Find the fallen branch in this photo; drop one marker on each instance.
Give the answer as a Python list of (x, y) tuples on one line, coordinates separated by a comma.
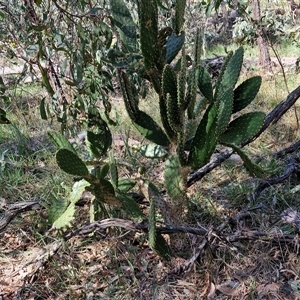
[(294, 147), (291, 168), (208, 237), (14, 209)]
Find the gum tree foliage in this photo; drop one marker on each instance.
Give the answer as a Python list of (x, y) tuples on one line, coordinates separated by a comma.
[(79, 59)]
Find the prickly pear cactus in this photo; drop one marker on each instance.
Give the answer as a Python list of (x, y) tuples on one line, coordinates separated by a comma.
[(216, 125)]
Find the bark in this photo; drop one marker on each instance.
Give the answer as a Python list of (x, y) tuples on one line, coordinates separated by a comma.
[(264, 55)]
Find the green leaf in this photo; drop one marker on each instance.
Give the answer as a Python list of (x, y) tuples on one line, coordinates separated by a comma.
[(243, 128), (60, 141), (150, 129), (130, 206), (43, 109), (66, 218), (69, 162), (253, 168), (99, 137), (125, 184), (245, 93), (124, 22)]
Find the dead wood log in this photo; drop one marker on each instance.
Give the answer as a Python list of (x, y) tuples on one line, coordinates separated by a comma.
[(13, 210), (292, 167)]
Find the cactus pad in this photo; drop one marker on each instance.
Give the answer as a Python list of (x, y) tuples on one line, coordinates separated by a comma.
[(204, 83), (243, 128), (245, 93), (173, 46), (205, 139), (69, 162), (174, 181), (150, 129), (60, 141), (224, 110)]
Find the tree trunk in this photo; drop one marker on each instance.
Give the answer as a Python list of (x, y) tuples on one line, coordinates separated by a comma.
[(264, 55)]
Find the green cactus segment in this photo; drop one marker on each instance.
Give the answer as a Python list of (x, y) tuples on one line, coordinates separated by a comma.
[(78, 188), (153, 151), (165, 122), (181, 148), (162, 248), (243, 128), (174, 181), (130, 206), (173, 114), (181, 82), (179, 15), (125, 184), (169, 88), (152, 225), (197, 47), (222, 72), (113, 171), (169, 84), (70, 163), (253, 168), (245, 93), (205, 139), (99, 137), (124, 22), (192, 86), (204, 83), (131, 102), (229, 76), (173, 46), (60, 141), (150, 129), (224, 110), (148, 18)]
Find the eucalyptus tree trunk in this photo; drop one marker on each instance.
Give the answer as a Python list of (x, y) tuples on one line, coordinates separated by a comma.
[(264, 55)]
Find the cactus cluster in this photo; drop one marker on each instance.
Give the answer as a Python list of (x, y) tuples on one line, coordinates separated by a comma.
[(98, 177), (177, 87)]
